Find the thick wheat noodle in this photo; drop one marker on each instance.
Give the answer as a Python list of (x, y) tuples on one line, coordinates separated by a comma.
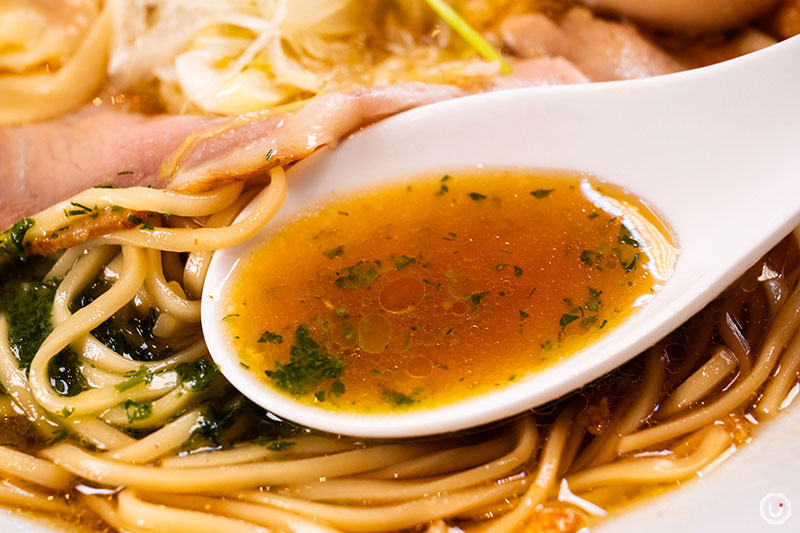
[(15, 384), (604, 442), (243, 423), (389, 490), (784, 326), (443, 462), (172, 267), (197, 263), (137, 199), (688, 443), (590, 451), (792, 277), (576, 436), (81, 275), (478, 515), (113, 397), (97, 433), (98, 377), (80, 323), (208, 239), (162, 384), (730, 331), (96, 353), (701, 383), (698, 342), (776, 292), (169, 327), (154, 517), (779, 386), (195, 271), (756, 317), (65, 263), (103, 508), (187, 222), (249, 453), (257, 514), (654, 469), (646, 401), (440, 526), (13, 496), (78, 278), (88, 347), (166, 298), (375, 519), (33, 470), (163, 406), (220, 478), (734, 339), (699, 330), (160, 442), (7, 409), (113, 270), (734, 300), (545, 479)]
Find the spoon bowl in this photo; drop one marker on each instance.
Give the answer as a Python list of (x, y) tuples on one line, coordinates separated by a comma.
[(715, 151)]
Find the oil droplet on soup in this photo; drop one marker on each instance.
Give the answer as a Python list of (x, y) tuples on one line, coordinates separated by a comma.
[(428, 293)]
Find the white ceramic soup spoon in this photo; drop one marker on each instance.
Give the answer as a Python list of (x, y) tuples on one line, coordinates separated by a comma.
[(716, 151)]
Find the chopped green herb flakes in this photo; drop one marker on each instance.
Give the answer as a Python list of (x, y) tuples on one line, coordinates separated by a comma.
[(358, 275), (143, 375), (541, 193), (271, 338), (477, 297), (197, 375), (334, 252), (309, 365), (403, 261), (566, 319), (138, 411), (12, 239), (397, 399)]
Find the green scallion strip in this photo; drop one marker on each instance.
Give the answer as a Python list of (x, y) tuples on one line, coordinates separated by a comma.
[(475, 39)]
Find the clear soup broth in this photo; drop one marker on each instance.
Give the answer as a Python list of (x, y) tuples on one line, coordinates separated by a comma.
[(426, 293)]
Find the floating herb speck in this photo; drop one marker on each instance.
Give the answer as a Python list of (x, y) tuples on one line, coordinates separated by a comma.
[(541, 193), (334, 252), (271, 338), (403, 261), (477, 298), (566, 319)]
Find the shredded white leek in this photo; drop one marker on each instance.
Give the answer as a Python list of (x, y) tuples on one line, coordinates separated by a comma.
[(237, 56)]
